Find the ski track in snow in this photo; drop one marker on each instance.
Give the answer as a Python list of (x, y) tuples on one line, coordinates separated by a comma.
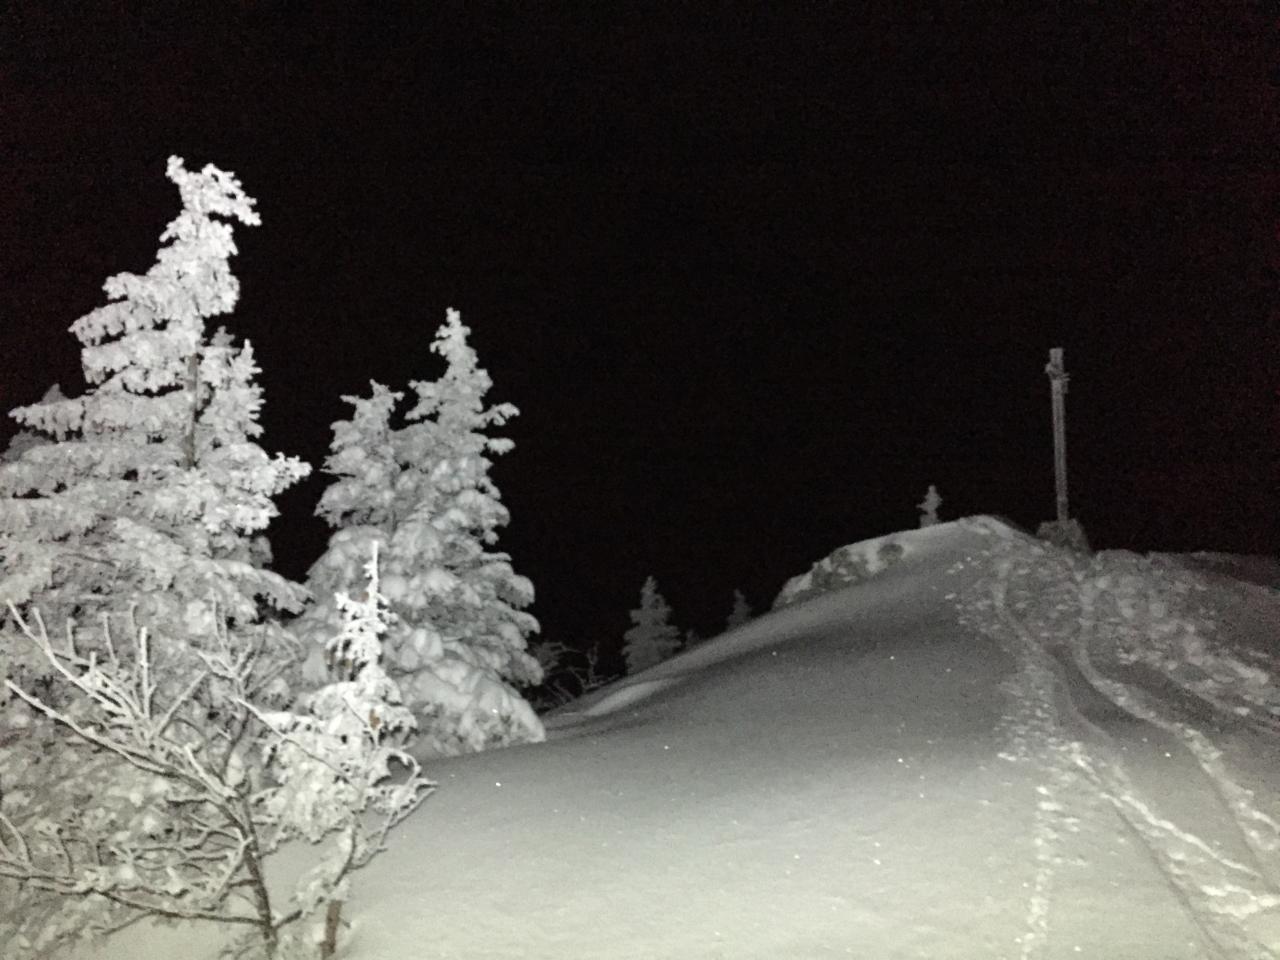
[(1034, 728), (1047, 726)]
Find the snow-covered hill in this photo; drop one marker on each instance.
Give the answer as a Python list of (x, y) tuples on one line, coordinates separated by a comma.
[(986, 749)]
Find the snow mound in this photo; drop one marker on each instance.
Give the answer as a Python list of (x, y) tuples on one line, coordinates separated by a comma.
[(859, 562), (991, 748), (921, 556), (1257, 570)]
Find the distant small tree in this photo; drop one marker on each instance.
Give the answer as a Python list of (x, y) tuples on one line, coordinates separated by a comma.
[(652, 638), (929, 507), (740, 613)]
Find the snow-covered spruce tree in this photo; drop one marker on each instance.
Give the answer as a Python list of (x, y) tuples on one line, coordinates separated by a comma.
[(153, 489), (740, 613), (928, 507), (206, 780), (139, 503), (458, 646), (651, 639)]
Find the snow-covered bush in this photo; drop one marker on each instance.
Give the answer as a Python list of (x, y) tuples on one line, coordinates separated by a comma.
[(204, 780), (844, 567), (567, 673), (341, 757), (652, 638), (422, 491)]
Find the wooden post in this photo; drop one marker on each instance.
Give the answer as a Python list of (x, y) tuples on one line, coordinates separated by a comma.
[(1058, 385)]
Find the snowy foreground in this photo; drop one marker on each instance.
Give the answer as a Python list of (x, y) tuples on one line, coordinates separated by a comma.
[(967, 754)]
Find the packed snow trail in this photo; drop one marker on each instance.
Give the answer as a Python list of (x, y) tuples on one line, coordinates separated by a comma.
[(1067, 713), (1035, 735)]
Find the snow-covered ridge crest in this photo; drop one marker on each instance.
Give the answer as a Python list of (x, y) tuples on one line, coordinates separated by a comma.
[(1257, 570), (922, 555), (858, 562)]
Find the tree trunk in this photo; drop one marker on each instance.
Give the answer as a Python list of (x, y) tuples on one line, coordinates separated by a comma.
[(193, 384), (258, 884), (332, 918)]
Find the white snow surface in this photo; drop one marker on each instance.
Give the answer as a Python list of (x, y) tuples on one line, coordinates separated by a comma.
[(862, 774)]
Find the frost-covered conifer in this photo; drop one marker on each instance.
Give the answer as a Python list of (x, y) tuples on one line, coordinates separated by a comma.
[(140, 505), (651, 639), (929, 507), (740, 613), (152, 488), (458, 646)]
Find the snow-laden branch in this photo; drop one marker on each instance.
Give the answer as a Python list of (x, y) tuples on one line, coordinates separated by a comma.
[(201, 783)]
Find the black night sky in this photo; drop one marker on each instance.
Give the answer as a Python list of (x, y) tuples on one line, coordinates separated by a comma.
[(755, 274)]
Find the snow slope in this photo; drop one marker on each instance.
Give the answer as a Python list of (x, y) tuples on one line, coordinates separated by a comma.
[(920, 765)]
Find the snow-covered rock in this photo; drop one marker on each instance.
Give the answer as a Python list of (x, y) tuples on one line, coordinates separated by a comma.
[(859, 562)]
